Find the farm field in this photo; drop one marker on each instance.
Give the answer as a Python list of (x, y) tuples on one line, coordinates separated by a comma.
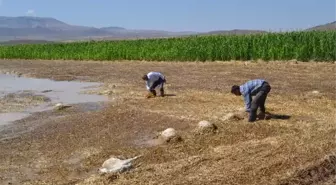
[(302, 46), (68, 147)]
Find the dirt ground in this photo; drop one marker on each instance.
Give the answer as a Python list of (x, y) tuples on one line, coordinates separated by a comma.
[(68, 147)]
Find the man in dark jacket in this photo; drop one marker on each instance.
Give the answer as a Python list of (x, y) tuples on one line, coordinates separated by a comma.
[(258, 88)]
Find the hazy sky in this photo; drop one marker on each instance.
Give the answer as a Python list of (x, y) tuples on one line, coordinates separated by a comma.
[(179, 15)]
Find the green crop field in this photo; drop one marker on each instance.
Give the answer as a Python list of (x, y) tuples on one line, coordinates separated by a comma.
[(303, 46)]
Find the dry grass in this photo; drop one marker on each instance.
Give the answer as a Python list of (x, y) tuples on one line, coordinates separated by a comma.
[(70, 149)]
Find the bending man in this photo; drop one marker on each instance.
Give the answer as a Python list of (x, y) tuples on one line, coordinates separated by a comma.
[(258, 88), (153, 80)]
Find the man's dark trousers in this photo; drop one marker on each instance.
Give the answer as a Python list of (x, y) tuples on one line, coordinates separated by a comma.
[(156, 83), (259, 101)]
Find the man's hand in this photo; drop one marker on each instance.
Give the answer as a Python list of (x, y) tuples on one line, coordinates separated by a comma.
[(150, 95)]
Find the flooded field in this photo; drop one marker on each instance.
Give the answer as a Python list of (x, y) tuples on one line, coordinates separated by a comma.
[(21, 96)]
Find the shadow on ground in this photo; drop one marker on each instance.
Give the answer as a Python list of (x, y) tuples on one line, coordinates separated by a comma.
[(276, 116), (170, 94)]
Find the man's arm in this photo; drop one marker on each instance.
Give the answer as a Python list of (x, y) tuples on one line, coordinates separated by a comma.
[(247, 99), (147, 85)]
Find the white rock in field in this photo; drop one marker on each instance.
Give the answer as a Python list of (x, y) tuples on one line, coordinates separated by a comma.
[(206, 126), (116, 165), (60, 106), (315, 92), (168, 134)]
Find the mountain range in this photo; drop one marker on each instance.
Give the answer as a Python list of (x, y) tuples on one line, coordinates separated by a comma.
[(43, 29)]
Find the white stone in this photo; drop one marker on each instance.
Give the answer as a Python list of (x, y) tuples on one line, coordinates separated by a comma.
[(168, 134), (116, 165), (206, 125), (60, 106), (315, 92)]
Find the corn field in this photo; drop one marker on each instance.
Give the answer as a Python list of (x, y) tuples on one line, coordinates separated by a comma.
[(303, 46)]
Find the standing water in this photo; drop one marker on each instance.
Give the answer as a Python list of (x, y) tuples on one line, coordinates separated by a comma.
[(65, 92)]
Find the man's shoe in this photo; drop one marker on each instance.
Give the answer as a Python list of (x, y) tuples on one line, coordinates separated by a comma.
[(162, 93), (252, 118), (261, 115)]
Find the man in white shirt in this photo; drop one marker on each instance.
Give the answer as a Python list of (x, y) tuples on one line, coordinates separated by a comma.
[(153, 80)]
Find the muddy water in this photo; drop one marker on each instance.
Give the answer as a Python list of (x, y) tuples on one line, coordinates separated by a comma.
[(66, 92)]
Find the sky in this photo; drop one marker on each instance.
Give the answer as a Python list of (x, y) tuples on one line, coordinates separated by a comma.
[(179, 15)]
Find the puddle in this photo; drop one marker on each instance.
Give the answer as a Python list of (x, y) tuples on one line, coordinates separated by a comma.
[(66, 92), (12, 116)]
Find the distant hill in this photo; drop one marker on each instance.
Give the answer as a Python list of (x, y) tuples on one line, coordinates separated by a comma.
[(43, 28), (15, 42), (40, 28), (235, 32), (113, 28), (26, 29), (328, 26)]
